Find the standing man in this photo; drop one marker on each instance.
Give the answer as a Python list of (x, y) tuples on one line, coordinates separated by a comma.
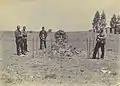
[(19, 41), (42, 36), (24, 34), (101, 40)]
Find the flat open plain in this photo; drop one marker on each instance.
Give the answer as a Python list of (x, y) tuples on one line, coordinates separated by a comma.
[(38, 69)]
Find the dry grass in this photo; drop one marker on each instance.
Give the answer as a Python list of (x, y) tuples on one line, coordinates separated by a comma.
[(59, 71)]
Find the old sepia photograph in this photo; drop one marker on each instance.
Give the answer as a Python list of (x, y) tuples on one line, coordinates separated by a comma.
[(59, 42)]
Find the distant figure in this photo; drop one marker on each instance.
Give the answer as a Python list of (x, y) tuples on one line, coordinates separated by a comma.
[(110, 30), (19, 41), (101, 40), (24, 34), (42, 36)]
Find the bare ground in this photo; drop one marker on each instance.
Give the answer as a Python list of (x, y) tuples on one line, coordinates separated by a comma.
[(46, 70), (60, 70)]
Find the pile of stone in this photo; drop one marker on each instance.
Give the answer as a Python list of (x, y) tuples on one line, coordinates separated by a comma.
[(61, 46), (67, 50), (61, 37)]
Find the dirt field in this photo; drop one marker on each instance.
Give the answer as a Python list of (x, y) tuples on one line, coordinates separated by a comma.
[(41, 70)]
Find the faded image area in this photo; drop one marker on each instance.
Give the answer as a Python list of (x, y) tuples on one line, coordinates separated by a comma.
[(62, 63), (62, 44)]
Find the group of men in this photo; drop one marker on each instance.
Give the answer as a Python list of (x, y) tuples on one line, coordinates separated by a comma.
[(101, 41), (21, 40)]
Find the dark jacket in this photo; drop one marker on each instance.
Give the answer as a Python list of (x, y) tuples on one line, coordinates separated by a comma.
[(24, 34), (101, 37), (18, 36), (43, 34)]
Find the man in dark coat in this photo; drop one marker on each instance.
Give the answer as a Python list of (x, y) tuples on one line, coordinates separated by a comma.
[(42, 36), (19, 41), (24, 34), (101, 40)]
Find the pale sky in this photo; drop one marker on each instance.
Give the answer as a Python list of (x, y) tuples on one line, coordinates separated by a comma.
[(69, 15)]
